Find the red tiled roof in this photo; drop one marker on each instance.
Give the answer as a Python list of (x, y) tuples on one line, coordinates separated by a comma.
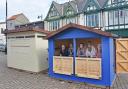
[(14, 16), (85, 28), (26, 30)]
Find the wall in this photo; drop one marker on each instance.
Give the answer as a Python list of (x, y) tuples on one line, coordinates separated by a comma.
[(42, 52), (81, 19), (21, 20), (24, 53), (10, 24), (46, 26), (21, 53)]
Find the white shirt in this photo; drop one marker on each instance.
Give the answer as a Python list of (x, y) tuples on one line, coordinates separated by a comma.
[(91, 53)]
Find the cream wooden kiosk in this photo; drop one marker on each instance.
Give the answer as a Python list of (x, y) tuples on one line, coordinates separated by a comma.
[(27, 50)]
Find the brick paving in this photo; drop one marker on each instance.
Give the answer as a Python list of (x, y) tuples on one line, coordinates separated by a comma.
[(14, 79)]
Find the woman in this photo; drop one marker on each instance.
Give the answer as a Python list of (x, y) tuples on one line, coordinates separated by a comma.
[(90, 51), (63, 51), (81, 51)]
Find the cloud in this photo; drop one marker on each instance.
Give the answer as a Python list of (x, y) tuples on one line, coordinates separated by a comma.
[(31, 8)]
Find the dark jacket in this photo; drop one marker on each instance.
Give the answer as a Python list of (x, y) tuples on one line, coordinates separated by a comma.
[(64, 53)]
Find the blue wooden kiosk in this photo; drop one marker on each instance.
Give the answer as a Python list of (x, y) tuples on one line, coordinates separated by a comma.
[(98, 70)]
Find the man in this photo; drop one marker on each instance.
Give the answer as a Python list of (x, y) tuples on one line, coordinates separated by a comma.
[(70, 50)]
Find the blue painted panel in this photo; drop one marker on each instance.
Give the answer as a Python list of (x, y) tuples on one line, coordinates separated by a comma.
[(80, 79), (50, 55), (76, 33), (105, 61), (112, 60)]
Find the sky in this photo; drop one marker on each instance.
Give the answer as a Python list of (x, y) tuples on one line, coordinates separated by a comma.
[(31, 8)]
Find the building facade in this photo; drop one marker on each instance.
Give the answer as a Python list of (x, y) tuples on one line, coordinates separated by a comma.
[(2, 36), (15, 20), (108, 15)]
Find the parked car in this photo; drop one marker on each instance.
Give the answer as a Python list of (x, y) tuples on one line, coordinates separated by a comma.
[(2, 47)]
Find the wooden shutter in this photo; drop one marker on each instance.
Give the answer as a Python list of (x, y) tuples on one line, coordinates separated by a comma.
[(122, 55), (63, 65), (88, 67)]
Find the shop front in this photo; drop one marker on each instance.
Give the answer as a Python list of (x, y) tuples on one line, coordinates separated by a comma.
[(82, 54)]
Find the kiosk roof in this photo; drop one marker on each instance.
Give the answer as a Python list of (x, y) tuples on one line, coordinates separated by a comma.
[(85, 28)]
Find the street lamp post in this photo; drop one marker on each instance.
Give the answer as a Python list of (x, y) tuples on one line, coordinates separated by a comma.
[(6, 25)]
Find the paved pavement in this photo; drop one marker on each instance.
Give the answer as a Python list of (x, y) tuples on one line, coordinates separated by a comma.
[(15, 79)]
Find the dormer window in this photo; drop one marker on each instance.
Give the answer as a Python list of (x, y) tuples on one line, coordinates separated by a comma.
[(91, 6), (53, 12), (69, 11)]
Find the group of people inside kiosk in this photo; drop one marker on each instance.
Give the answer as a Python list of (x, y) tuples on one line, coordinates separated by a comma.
[(84, 50)]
